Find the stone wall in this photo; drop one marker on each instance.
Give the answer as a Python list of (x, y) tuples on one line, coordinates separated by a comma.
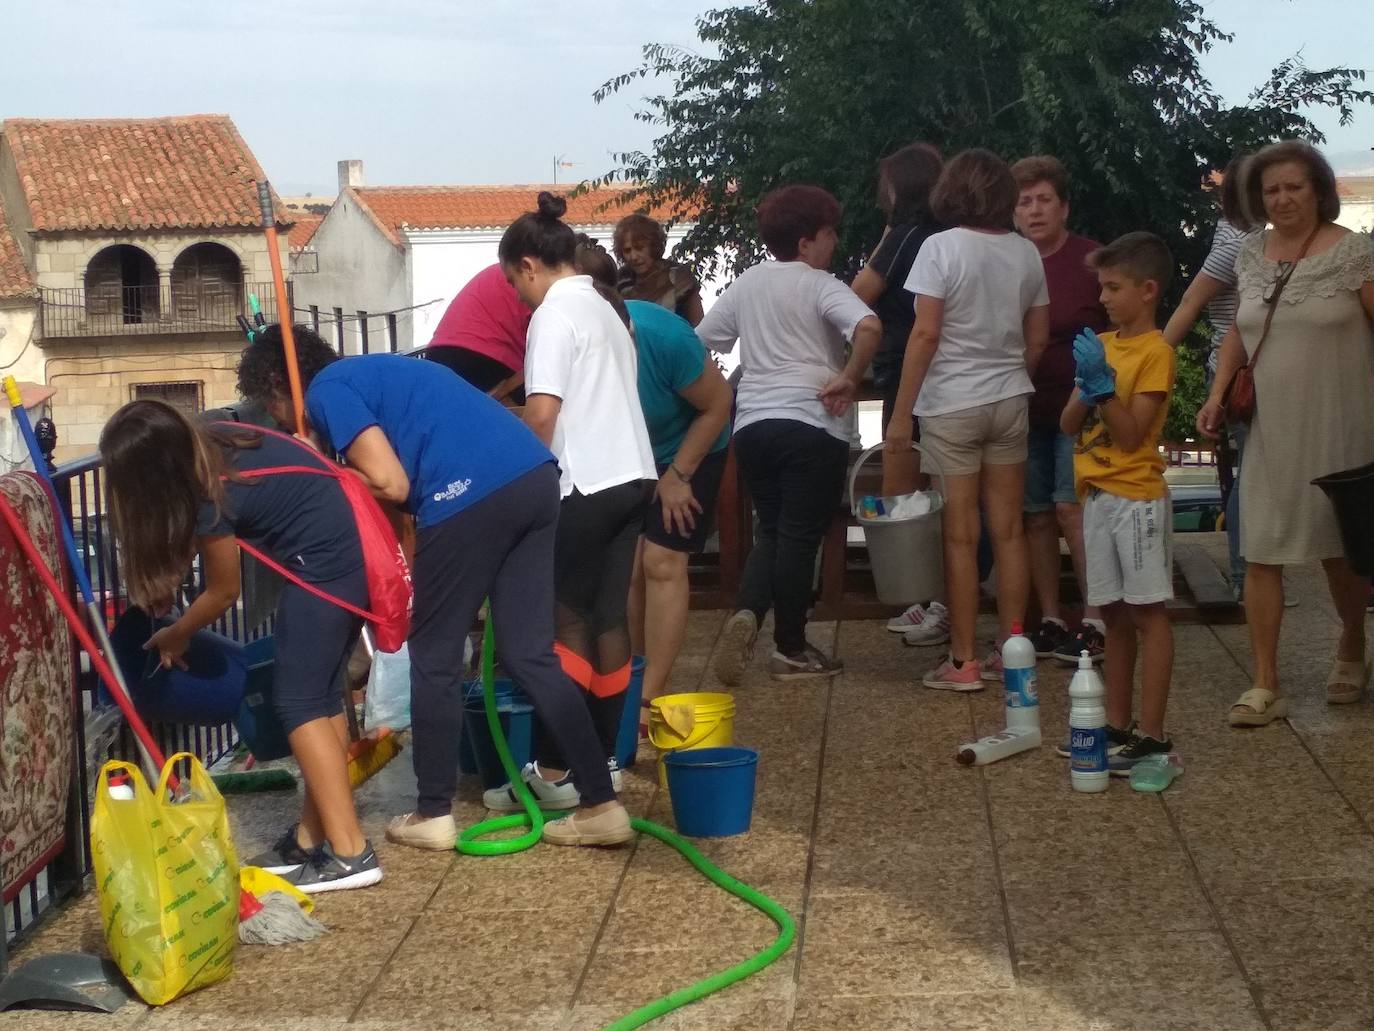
[(60, 259)]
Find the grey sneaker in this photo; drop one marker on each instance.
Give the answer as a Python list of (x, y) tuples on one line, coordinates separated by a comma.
[(810, 662), (284, 856), (329, 872), (736, 647)]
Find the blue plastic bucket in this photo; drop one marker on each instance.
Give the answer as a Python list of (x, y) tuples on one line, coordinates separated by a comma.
[(207, 693), (257, 721), (517, 724), (627, 740), (712, 790), (467, 761)]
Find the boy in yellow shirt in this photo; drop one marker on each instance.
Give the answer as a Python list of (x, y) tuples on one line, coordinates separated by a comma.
[(1117, 412)]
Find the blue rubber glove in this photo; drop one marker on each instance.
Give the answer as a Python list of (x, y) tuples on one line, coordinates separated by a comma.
[(1096, 378)]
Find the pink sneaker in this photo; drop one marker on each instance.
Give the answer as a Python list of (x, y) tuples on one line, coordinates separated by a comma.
[(992, 668), (949, 677)]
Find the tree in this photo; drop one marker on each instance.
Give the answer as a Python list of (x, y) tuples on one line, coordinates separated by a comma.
[(818, 90)]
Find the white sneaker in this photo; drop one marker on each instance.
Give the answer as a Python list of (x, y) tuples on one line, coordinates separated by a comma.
[(547, 794), (930, 629), (912, 617)]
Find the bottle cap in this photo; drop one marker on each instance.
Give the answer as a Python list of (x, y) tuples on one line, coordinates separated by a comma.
[(1085, 661), (1016, 628)]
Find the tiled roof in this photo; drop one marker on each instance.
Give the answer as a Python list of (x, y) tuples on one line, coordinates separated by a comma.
[(1356, 187), (187, 172), (15, 280), (304, 228), (487, 207)]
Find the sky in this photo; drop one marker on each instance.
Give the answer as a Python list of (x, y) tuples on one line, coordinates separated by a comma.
[(471, 91)]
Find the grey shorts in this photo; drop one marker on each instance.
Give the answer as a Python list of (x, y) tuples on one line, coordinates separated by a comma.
[(992, 434), (1129, 547)]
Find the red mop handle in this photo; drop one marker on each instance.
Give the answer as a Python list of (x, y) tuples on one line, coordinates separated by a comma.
[(285, 316), (11, 517)]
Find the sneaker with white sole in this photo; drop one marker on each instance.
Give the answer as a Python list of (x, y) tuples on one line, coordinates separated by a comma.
[(548, 794), (736, 649), (950, 677), (329, 872), (809, 663), (435, 833), (285, 855), (1116, 740), (931, 629), (991, 668), (909, 619), (609, 828)]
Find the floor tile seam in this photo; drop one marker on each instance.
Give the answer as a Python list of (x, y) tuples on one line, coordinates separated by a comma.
[(799, 944), (391, 956), (1008, 928), (1256, 991)]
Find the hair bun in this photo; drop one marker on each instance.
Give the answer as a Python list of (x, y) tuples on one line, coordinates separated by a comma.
[(551, 205)]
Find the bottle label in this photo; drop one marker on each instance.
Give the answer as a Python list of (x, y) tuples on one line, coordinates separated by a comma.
[(1088, 750), (1021, 689)]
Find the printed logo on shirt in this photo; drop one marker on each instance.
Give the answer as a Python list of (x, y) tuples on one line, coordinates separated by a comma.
[(456, 489)]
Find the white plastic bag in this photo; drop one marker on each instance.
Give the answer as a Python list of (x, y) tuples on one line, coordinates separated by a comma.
[(387, 703), (910, 505)]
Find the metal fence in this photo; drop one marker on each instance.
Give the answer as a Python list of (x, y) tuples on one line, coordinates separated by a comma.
[(150, 309), (100, 730)]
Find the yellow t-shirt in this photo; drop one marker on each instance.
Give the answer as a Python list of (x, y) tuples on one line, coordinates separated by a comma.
[(1144, 365)]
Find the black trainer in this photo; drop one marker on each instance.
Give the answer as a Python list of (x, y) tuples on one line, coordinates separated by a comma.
[(283, 857), (327, 872), (1116, 741), (1137, 749), (1088, 639), (1049, 638)]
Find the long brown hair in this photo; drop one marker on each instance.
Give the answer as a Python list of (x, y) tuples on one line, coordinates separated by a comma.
[(160, 468)]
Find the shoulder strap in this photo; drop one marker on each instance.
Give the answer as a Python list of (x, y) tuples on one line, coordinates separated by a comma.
[(1279, 284), (276, 566)]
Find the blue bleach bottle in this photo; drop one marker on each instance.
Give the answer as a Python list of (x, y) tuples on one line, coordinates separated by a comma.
[(1022, 696), (1087, 728)]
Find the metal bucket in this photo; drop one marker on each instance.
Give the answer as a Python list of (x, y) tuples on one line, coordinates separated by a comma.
[(907, 555)]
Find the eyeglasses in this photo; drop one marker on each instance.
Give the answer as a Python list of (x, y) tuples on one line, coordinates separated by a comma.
[(1285, 273)]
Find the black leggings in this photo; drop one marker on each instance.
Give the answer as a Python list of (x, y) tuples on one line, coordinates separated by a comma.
[(482, 371), (502, 547), (593, 561)]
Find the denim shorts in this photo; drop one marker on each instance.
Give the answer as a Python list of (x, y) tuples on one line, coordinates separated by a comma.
[(1049, 470)]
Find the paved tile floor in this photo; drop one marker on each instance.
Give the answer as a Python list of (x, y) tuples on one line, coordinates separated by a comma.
[(928, 896)]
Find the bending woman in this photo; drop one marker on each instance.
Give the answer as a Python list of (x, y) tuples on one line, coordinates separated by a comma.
[(177, 487)]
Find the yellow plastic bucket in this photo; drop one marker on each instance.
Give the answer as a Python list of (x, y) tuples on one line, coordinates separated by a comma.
[(678, 722)]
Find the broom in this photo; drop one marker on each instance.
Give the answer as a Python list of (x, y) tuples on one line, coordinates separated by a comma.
[(274, 919), (366, 754)]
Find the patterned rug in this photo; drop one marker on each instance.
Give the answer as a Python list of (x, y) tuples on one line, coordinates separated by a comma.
[(37, 692)]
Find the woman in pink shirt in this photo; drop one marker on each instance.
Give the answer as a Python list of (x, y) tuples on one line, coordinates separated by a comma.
[(482, 335)]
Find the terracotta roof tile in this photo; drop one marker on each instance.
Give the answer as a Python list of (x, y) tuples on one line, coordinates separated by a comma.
[(15, 280), (488, 207), (187, 172), (1356, 187), (303, 229)]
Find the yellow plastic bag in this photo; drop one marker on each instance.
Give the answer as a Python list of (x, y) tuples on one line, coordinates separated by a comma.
[(168, 880)]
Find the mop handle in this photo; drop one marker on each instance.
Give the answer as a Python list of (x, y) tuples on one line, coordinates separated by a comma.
[(21, 535), (285, 316), (40, 464)]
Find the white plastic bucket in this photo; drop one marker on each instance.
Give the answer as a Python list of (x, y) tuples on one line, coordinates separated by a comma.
[(907, 555)]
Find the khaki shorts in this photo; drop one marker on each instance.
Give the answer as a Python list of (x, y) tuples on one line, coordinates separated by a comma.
[(963, 442)]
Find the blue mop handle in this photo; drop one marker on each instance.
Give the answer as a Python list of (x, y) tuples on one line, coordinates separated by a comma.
[(40, 465)]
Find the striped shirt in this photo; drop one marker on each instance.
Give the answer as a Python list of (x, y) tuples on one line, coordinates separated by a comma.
[(1221, 266)]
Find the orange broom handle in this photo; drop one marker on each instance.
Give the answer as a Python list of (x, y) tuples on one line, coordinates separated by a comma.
[(285, 317)]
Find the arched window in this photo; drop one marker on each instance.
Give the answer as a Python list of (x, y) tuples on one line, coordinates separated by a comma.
[(121, 285), (207, 285)]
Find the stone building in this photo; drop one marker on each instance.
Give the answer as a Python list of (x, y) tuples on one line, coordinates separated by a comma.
[(142, 240)]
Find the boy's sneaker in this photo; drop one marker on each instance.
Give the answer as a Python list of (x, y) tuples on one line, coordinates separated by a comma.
[(949, 677), (1138, 749), (548, 794), (991, 669), (808, 663), (283, 857), (1116, 741), (1088, 639), (931, 629), (1051, 636), (329, 872), (736, 647)]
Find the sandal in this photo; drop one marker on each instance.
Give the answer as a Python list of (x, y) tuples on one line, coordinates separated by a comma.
[(1264, 708), (1347, 682)]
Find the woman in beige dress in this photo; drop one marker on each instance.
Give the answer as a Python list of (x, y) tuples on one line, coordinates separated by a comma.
[(1314, 414)]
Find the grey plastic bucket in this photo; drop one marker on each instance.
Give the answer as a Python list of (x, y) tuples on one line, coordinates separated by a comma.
[(907, 555)]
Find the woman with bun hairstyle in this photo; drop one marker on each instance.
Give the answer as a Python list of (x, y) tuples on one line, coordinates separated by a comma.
[(581, 401)]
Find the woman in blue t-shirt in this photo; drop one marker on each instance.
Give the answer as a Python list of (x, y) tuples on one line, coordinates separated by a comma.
[(177, 487), (484, 493)]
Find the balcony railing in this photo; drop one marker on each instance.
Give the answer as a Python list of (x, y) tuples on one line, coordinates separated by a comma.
[(146, 310)]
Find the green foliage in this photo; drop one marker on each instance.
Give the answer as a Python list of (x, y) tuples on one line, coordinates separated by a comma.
[(1190, 390), (818, 90)]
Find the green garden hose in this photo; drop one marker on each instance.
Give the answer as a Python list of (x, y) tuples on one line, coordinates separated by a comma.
[(469, 844)]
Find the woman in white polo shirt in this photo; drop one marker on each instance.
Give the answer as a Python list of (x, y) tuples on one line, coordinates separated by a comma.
[(582, 402)]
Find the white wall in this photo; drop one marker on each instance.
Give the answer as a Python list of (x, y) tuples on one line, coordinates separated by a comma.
[(17, 323), (360, 270), (1357, 215)]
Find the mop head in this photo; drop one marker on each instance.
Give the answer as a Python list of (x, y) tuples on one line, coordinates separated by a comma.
[(279, 921), (369, 755)]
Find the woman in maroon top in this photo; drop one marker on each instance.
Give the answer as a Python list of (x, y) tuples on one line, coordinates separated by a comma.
[(482, 335), (1051, 506)]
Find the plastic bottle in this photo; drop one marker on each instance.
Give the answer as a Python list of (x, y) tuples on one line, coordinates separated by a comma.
[(1087, 729), (120, 788), (1022, 701)]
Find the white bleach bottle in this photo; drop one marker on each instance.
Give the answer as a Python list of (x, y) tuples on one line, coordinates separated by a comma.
[(1022, 700), (1087, 728)]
